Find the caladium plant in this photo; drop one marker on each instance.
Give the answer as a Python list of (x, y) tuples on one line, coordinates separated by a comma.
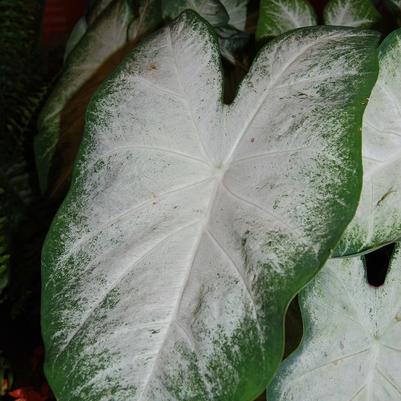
[(190, 224), (279, 16), (351, 348)]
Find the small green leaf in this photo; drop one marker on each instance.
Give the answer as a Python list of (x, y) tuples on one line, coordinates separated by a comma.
[(279, 16), (190, 224), (353, 13), (378, 217), (351, 350)]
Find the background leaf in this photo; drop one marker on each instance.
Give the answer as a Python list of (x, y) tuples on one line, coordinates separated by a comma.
[(353, 13), (279, 16), (378, 217), (100, 50), (212, 10), (352, 343)]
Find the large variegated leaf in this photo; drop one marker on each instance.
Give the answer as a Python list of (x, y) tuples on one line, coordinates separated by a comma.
[(279, 16), (190, 224), (351, 349), (354, 13), (378, 218)]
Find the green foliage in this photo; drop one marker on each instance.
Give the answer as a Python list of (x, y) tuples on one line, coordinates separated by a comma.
[(279, 16), (21, 85), (118, 251)]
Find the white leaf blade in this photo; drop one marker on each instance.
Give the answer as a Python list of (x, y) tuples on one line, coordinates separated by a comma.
[(350, 349), (149, 243), (378, 219)]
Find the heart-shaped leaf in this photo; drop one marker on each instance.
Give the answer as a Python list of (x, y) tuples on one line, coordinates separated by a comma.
[(279, 16), (378, 218), (190, 224), (351, 350)]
